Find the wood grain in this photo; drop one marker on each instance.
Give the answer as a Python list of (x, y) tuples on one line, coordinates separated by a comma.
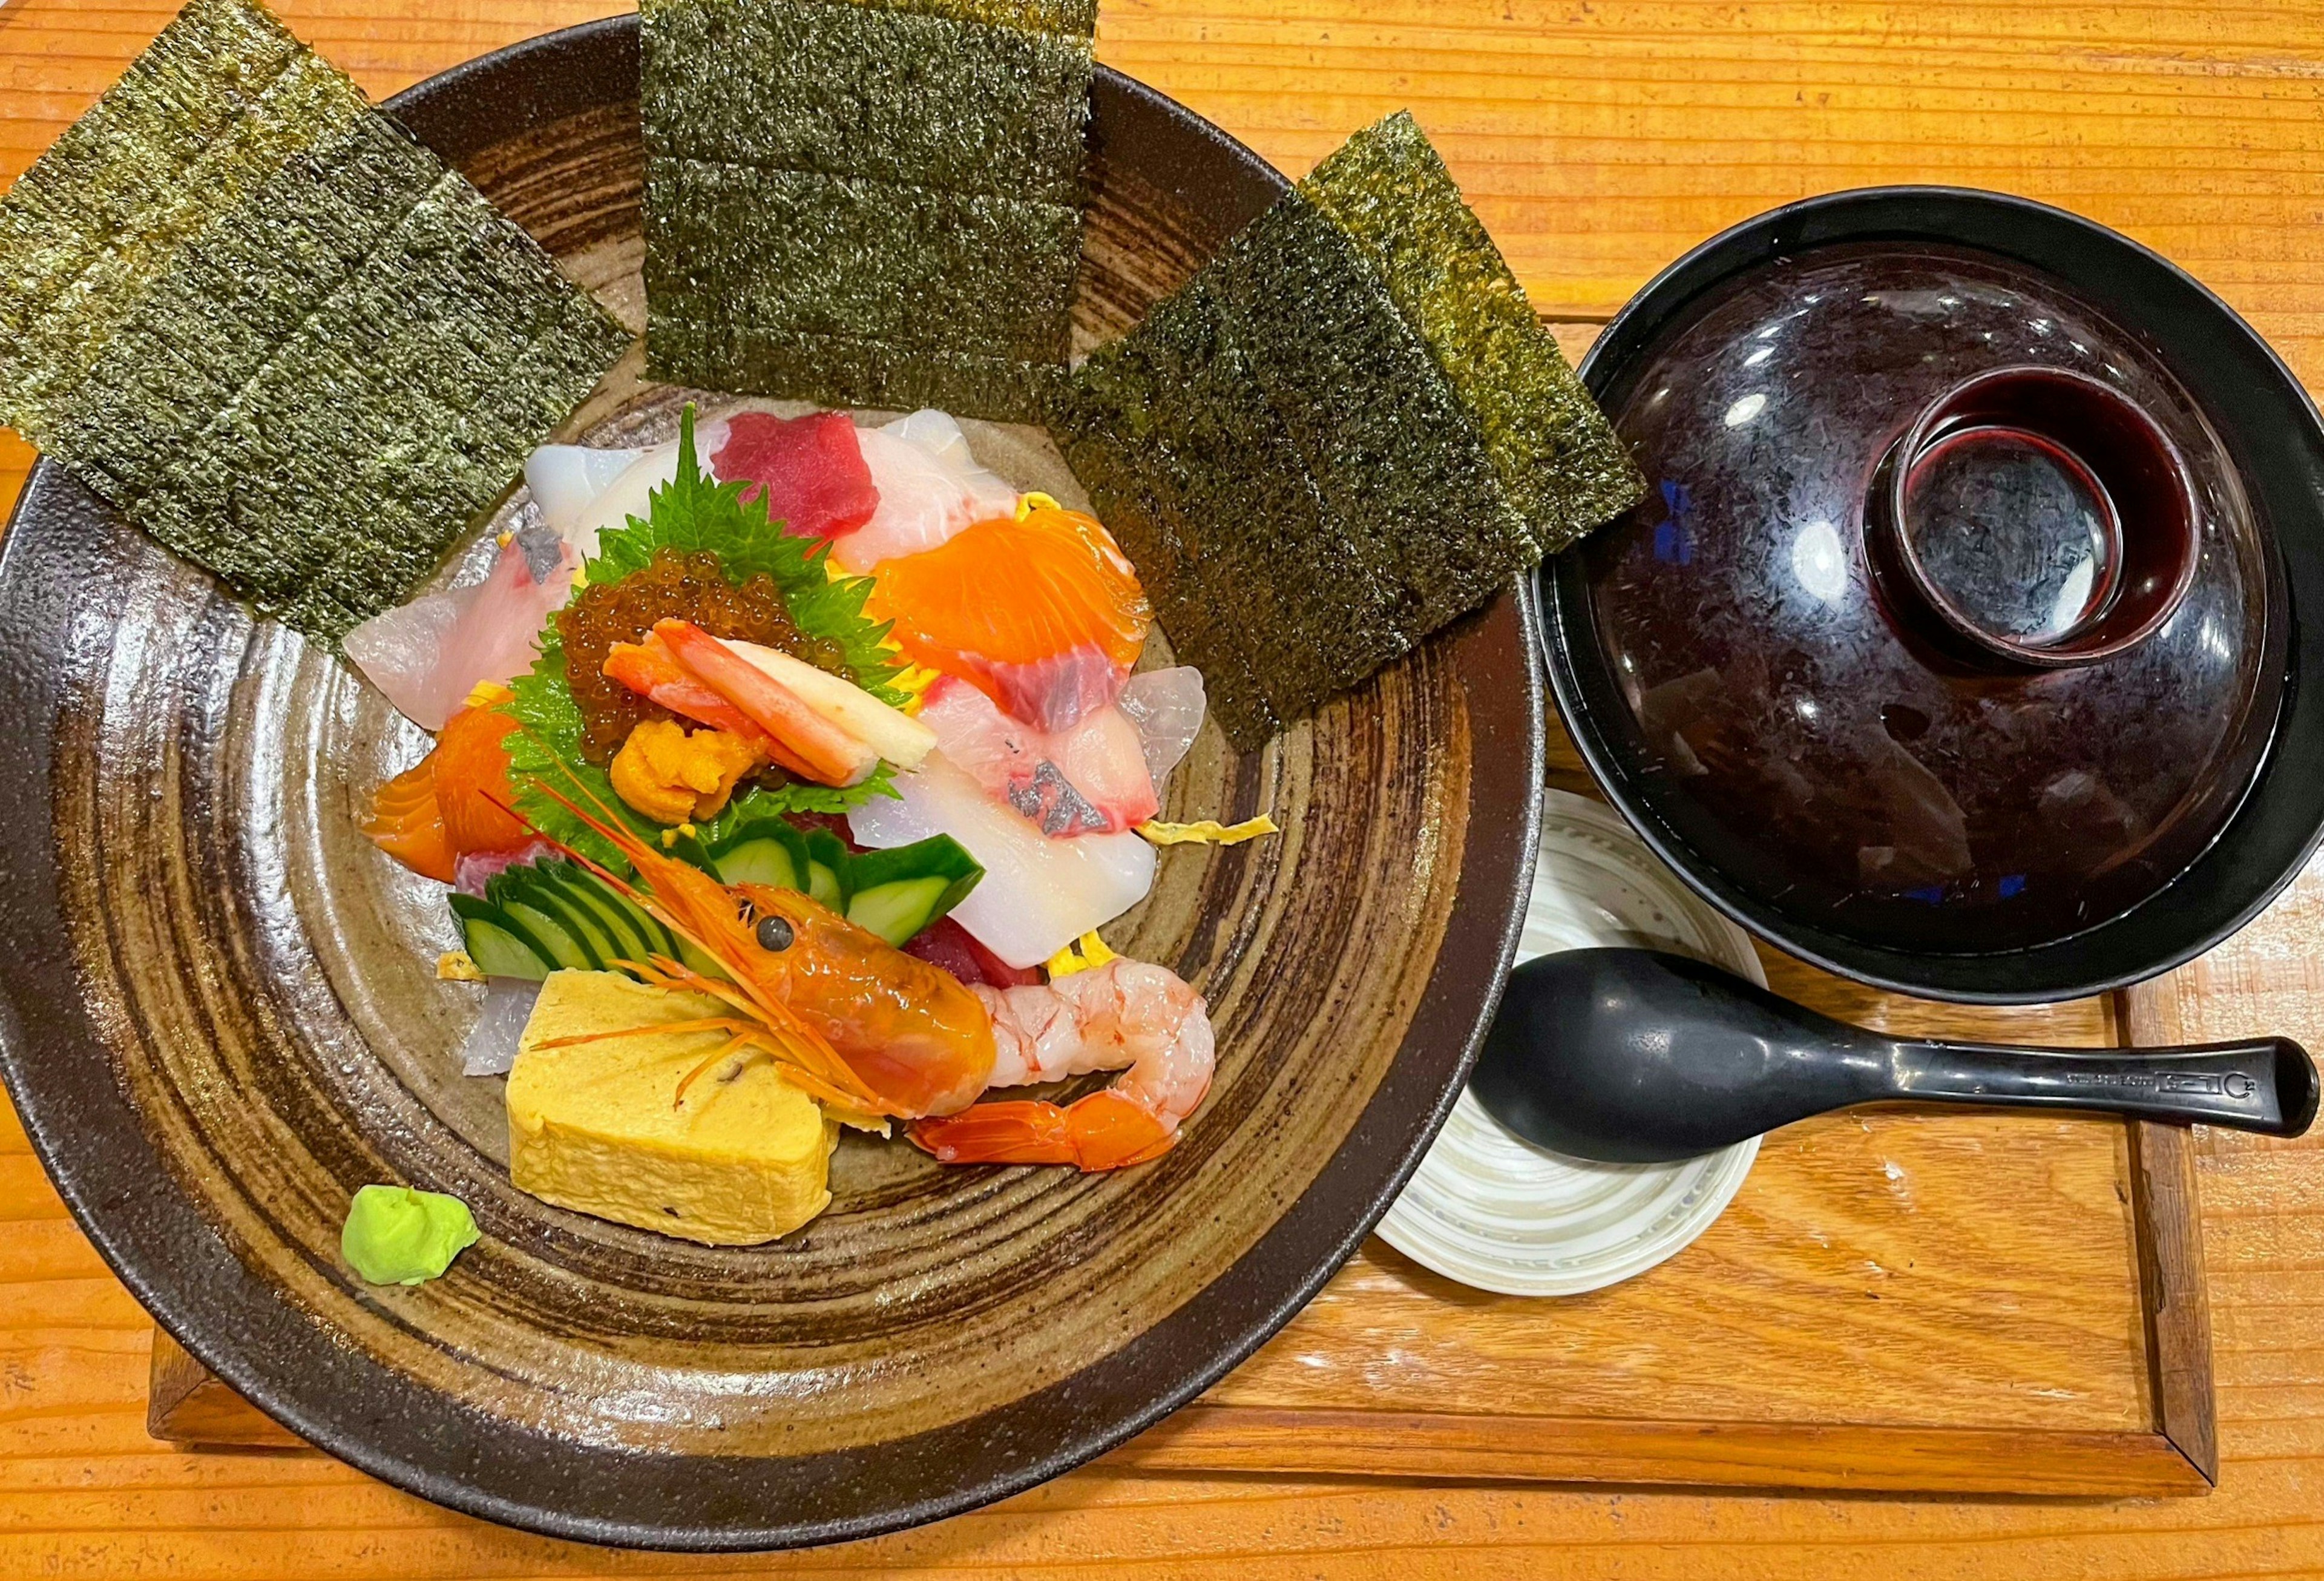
[(1600, 139)]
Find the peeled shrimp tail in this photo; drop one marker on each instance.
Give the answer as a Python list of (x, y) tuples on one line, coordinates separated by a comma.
[(1123, 1014)]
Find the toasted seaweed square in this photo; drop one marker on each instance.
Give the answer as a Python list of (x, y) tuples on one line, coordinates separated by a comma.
[(1412, 493), (845, 197), (235, 293), (846, 370), (1195, 472), (840, 256), (130, 152), (1056, 16), (1553, 449), (852, 90), (275, 331)]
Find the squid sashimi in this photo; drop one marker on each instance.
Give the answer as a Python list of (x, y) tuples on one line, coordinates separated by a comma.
[(1090, 780), (1038, 894), (1043, 615), (809, 469), (578, 498), (566, 480), (929, 487), (1166, 705), (427, 655)]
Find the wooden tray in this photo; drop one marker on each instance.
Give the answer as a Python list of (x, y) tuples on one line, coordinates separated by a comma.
[(1897, 1299)]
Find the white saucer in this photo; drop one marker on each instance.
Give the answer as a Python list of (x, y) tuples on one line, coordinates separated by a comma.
[(1503, 1215)]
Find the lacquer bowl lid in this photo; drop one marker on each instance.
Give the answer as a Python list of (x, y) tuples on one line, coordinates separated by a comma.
[(1955, 634)]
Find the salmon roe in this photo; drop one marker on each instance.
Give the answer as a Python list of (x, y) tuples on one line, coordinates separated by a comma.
[(671, 585)]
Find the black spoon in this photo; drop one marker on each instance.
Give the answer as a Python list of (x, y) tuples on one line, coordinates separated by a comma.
[(1633, 1056)]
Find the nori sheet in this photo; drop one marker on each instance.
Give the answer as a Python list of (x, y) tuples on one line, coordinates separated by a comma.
[(841, 370), (849, 195), (1551, 448), (1053, 16), (274, 329), (839, 255), (847, 90), (1347, 431), (1376, 426), (1278, 444)]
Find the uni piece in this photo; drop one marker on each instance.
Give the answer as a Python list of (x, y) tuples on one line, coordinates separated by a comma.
[(865, 202), (272, 329), (1338, 437)]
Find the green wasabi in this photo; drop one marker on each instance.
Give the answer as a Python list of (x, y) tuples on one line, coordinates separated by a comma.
[(396, 1235)]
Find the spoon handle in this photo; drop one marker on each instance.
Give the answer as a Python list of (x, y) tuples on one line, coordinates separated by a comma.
[(2266, 1085)]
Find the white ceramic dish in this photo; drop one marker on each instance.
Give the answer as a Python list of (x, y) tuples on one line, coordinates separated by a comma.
[(1502, 1215)]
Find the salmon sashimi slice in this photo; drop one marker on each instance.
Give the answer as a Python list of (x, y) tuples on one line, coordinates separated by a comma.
[(407, 823), (455, 801), (1042, 614)]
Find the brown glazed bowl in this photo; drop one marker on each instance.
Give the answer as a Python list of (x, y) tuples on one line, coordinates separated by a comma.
[(219, 1014)]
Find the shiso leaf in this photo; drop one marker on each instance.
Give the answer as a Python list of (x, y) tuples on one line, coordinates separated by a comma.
[(272, 329), (1553, 451), (865, 202), (691, 513), (806, 85)]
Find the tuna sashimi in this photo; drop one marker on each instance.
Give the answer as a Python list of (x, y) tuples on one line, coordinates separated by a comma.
[(810, 469), (946, 943), (427, 655), (1038, 894), (1089, 779), (1043, 615), (929, 486)]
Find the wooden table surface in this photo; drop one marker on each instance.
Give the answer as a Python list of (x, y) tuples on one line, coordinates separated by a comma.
[(1598, 139)]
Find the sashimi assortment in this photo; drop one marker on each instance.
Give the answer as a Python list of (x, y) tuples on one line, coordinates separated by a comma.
[(831, 736)]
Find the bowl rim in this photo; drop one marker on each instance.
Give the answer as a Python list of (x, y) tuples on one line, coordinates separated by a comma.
[(2243, 387), (156, 1239)]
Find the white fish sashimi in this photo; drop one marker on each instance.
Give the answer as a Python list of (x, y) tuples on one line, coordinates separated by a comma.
[(1166, 705), (1038, 894), (929, 486), (565, 478), (1090, 779), (427, 655)]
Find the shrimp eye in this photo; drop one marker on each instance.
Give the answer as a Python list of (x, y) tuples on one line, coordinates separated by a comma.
[(774, 932)]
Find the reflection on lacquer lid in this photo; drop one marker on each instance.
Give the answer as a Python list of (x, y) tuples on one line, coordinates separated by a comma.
[(1946, 622)]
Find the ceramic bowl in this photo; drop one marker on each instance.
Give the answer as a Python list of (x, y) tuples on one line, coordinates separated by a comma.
[(219, 1017)]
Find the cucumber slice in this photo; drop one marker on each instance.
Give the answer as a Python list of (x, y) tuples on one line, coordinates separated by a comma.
[(658, 940), (899, 892), (547, 889), (897, 911), (542, 927), (499, 945), (702, 963), (762, 860), (533, 889), (623, 942), (552, 935), (828, 860)]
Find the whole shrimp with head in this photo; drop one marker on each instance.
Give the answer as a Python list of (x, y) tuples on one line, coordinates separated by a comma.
[(877, 1033)]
